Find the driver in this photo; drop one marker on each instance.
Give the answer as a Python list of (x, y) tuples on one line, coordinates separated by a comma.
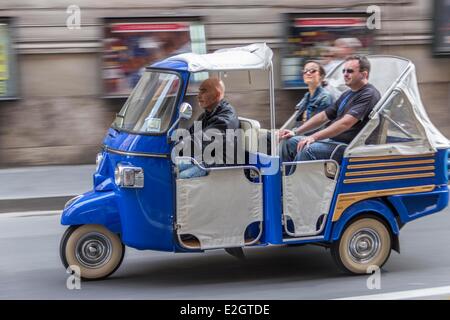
[(348, 115), (218, 115)]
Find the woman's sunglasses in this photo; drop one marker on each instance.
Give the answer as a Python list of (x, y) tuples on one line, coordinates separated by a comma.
[(310, 71)]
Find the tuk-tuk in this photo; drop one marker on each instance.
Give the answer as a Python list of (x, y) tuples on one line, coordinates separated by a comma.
[(393, 172)]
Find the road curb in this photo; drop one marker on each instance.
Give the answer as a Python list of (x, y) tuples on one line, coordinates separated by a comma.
[(34, 204)]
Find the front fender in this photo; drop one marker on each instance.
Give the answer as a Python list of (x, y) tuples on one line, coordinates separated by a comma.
[(94, 208), (376, 207)]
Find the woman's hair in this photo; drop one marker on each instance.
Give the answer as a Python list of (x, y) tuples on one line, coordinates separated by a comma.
[(322, 72)]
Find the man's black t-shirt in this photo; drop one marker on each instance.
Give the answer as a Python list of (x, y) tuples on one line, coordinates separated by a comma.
[(358, 104)]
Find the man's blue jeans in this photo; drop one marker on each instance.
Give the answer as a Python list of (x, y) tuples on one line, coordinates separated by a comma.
[(189, 170), (322, 149)]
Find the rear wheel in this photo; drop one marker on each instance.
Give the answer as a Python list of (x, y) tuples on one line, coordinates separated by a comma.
[(365, 242), (94, 249)]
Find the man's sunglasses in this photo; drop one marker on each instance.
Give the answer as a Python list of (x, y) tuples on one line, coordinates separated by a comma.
[(310, 71), (348, 71)]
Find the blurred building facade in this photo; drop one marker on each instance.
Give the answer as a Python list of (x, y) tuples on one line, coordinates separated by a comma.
[(61, 117)]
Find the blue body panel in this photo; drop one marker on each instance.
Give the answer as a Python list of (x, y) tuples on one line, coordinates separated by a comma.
[(174, 65), (376, 207), (271, 202), (413, 206), (144, 217), (147, 213), (94, 208)]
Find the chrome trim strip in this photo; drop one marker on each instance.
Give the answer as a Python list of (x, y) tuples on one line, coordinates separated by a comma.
[(292, 163), (196, 163), (387, 171), (288, 240), (399, 157), (136, 154), (386, 178), (389, 164)]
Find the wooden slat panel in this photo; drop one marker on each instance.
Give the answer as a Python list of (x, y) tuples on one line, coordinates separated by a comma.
[(345, 200)]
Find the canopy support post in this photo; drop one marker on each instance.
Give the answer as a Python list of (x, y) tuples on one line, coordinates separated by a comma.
[(273, 144)]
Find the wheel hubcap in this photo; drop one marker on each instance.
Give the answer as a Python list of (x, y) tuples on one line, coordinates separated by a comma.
[(93, 250), (364, 245)]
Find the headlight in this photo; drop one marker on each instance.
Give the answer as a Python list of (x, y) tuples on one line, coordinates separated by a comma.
[(129, 176), (98, 160)]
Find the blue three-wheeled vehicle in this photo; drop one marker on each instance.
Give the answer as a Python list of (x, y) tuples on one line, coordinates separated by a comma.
[(393, 172)]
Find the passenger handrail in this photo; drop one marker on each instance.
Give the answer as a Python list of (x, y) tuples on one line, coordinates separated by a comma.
[(196, 163)]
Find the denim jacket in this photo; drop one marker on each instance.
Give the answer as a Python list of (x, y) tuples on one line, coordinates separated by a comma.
[(321, 100)]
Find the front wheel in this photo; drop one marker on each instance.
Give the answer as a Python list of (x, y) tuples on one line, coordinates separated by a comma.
[(95, 250), (364, 243)]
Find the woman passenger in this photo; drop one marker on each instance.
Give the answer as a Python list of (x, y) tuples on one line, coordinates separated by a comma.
[(314, 101)]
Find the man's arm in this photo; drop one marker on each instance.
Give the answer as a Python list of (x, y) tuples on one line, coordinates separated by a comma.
[(340, 126), (343, 124), (313, 123)]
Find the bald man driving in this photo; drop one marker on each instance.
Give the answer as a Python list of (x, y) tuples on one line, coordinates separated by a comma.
[(218, 115)]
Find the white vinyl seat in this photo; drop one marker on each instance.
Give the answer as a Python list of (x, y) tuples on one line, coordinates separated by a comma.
[(251, 131)]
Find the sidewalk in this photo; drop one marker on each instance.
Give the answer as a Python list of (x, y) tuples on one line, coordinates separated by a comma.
[(42, 188)]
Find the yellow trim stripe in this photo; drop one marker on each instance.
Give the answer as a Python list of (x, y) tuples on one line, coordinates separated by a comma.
[(397, 177), (369, 172), (345, 200), (389, 164), (426, 155)]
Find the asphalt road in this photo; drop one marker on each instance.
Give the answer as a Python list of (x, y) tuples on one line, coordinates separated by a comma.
[(30, 268)]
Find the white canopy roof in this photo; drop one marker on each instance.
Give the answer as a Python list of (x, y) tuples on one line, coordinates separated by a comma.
[(252, 57)]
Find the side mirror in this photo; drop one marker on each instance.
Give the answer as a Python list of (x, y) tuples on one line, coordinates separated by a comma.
[(185, 111)]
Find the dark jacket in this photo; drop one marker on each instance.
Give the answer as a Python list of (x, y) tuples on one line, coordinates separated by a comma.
[(223, 117)]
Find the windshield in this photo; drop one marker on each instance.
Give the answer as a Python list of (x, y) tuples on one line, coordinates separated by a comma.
[(149, 106)]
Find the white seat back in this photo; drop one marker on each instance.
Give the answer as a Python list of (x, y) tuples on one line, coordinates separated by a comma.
[(251, 128)]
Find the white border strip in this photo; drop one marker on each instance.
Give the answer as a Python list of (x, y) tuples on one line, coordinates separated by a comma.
[(399, 295), (30, 213)]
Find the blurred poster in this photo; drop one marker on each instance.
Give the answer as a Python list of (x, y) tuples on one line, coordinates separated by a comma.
[(441, 37), (8, 86), (132, 44), (326, 37)]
